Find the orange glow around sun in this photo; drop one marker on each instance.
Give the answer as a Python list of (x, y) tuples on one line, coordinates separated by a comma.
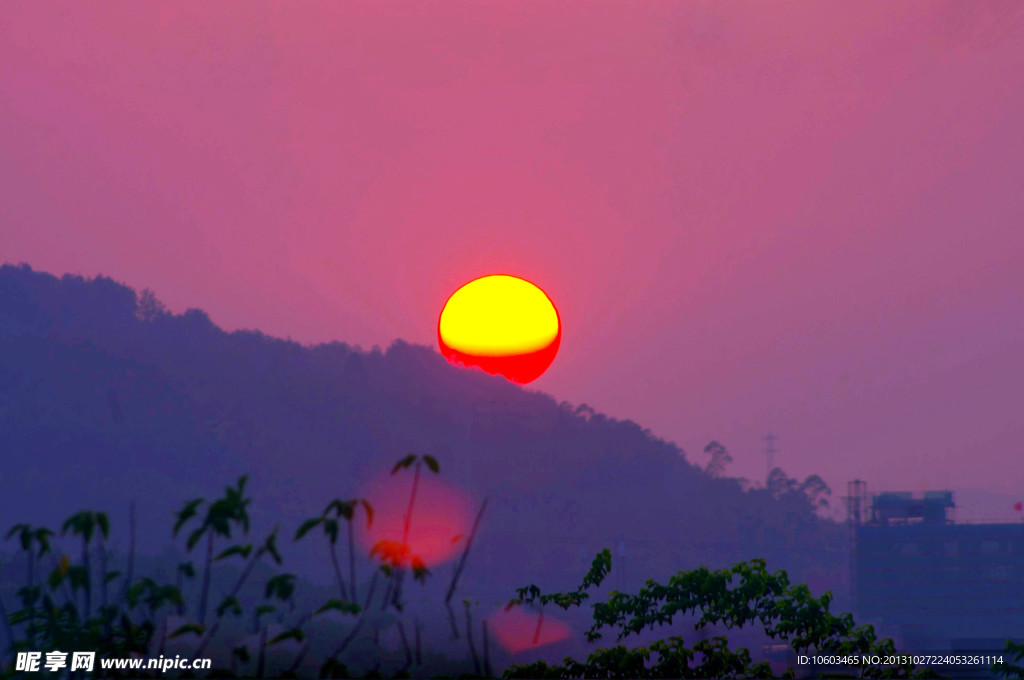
[(440, 517), (502, 324)]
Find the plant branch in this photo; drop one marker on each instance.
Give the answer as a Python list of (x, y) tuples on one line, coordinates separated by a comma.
[(359, 622), (469, 639), (130, 569), (465, 552), (487, 651), (205, 591)]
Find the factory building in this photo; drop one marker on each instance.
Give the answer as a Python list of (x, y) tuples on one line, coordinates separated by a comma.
[(932, 583)]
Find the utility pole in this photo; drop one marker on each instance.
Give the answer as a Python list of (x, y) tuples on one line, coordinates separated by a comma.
[(769, 453)]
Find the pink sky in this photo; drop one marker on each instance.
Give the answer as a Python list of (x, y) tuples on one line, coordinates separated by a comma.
[(805, 217)]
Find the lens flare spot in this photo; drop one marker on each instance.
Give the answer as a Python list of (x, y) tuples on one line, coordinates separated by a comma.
[(518, 629), (502, 324), (440, 513)]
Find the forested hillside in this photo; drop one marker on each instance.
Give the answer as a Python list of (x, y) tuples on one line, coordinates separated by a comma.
[(106, 398)]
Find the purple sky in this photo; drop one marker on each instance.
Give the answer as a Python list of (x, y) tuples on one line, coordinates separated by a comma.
[(802, 217)]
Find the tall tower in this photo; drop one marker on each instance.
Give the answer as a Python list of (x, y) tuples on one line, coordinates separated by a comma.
[(857, 510), (856, 502), (769, 453)]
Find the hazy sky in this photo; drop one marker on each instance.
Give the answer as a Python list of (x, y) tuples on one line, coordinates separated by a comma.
[(803, 217)]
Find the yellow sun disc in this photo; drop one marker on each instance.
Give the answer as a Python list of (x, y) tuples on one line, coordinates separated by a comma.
[(502, 324)]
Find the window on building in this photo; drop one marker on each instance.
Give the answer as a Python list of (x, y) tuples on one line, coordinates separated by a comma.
[(909, 548)]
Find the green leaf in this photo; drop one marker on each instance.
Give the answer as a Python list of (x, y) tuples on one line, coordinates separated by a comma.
[(332, 668), (24, 533), (393, 552), (291, 634), (20, 616), (281, 586), (187, 629), (331, 529), (187, 512), (194, 537), (42, 535), (419, 570), (241, 550), (137, 590), (432, 463), (29, 596), (229, 604), (340, 606), (168, 594), (104, 523), (270, 547), (78, 577), (20, 527), (404, 463), (307, 526), (345, 509)]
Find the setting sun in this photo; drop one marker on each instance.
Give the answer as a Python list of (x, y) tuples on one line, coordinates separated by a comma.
[(502, 324)]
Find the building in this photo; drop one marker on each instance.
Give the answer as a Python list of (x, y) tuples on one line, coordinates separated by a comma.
[(931, 583)]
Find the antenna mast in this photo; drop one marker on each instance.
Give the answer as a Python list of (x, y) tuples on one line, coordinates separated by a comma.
[(769, 453)]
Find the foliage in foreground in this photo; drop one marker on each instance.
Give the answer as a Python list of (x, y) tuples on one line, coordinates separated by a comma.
[(1014, 668), (84, 605), (745, 594)]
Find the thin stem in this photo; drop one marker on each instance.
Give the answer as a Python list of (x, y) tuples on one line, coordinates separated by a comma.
[(87, 590), (303, 650), (234, 593), (359, 622), (69, 596), (262, 658), (337, 571), (163, 636), (179, 582), (465, 552), (352, 561), (400, 571), (7, 624), (32, 609), (293, 669), (102, 548), (487, 651), (405, 646), (204, 593), (412, 499), (451, 619), (387, 591), (536, 633), (396, 597), (130, 569), (103, 571), (469, 639)]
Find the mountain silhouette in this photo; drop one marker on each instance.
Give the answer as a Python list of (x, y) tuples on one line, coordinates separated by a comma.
[(107, 398)]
